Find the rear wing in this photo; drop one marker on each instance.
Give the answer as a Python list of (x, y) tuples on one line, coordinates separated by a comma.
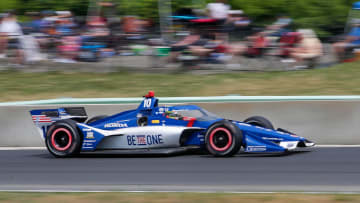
[(43, 118)]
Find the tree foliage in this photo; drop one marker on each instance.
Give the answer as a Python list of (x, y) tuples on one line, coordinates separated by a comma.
[(322, 15)]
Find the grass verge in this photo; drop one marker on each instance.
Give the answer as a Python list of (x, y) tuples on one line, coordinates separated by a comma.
[(173, 197), (343, 79)]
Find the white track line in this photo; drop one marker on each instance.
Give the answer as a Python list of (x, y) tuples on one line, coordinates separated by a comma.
[(174, 191), (337, 146), (44, 148), (21, 148)]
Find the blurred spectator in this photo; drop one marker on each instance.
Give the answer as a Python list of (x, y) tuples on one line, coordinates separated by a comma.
[(239, 23), (309, 48), (31, 49), (280, 26), (351, 42), (257, 44), (34, 26), (64, 23), (242, 21), (193, 43), (68, 49), (3, 38), (48, 19), (97, 26), (11, 33), (218, 10)]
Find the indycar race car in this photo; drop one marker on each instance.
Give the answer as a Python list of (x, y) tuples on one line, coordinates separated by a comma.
[(68, 131)]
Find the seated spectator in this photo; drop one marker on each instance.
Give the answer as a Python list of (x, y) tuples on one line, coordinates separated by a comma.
[(34, 25), (281, 26), (309, 47), (69, 49), (351, 42), (238, 24), (192, 42), (97, 26), (286, 43), (257, 44)]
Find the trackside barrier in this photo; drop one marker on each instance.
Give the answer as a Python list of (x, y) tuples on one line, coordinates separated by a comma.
[(323, 119), (185, 100)]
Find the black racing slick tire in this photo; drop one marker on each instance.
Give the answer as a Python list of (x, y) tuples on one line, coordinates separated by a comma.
[(223, 139), (96, 118), (63, 139), (259, 121)]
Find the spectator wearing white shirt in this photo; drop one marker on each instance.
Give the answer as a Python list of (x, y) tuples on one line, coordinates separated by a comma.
[(10, 33), (10, 27), (218, 10), (2, 38)]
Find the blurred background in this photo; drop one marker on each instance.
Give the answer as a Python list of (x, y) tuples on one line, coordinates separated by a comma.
[(195, 34), (236, 37)]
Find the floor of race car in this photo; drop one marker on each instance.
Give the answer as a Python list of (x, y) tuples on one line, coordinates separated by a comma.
[(322, 170), (147, 152)]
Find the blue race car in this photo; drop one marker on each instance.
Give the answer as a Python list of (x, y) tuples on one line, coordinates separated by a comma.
[(149, 128)]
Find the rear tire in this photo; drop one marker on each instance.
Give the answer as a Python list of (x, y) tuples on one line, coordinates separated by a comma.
[(63, 139), (259, 121), (223, 139), (96, 118)]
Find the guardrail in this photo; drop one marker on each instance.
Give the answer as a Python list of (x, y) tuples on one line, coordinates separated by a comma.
[(323, 119), (184, 100)]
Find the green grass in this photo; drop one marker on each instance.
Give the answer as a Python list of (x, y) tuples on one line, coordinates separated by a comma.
[(172, 198), (343, 79)]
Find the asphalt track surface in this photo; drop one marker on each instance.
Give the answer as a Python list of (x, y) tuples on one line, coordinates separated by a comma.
[(320, 170)]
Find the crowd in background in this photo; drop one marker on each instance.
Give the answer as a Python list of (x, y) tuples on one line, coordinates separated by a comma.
[(214, 35)]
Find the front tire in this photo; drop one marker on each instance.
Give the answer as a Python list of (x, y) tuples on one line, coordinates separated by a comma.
[(63, 139), (223, 139)]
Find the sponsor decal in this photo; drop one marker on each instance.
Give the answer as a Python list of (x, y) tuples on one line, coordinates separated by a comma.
[(86, 144), (89, 135), (115, 125), (256, 148), (155, 121), (290, 145), (142, 140), (90, 141), (272, 138), (41, 118), (162, 110), (62, 113)]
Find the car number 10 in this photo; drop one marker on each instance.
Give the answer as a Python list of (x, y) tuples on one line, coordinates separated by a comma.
[(147, 103)]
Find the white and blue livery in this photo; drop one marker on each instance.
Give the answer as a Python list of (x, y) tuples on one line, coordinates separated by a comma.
[(150, 127)]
